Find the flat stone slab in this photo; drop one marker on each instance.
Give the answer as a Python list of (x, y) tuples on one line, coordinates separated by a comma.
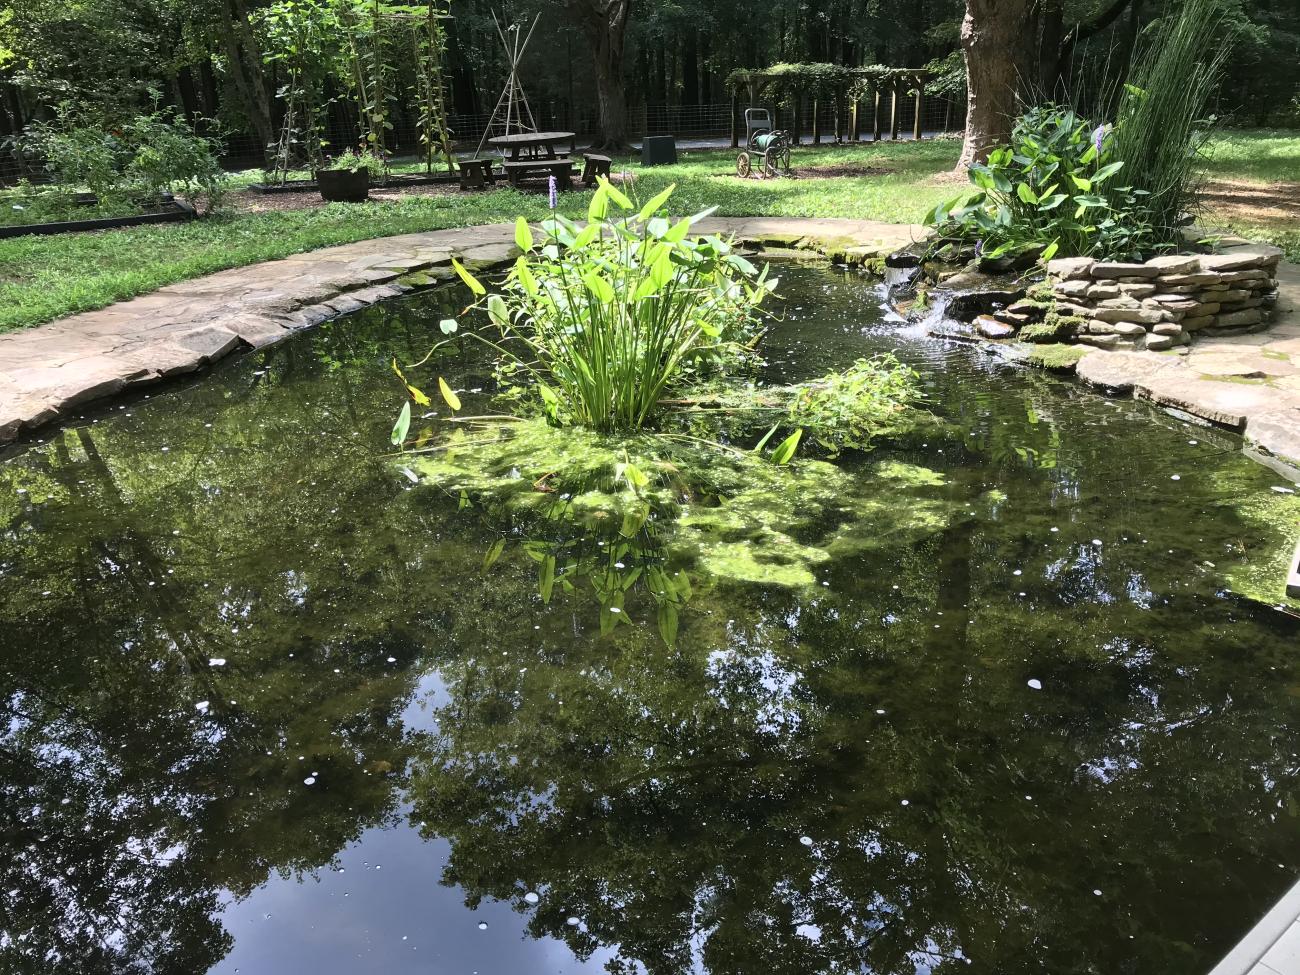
[(48, 370)]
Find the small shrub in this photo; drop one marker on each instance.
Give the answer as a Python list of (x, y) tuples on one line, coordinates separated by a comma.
[(354, 160), (1050, 190)]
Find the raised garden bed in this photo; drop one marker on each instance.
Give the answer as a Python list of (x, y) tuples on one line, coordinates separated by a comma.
[(169, 210), (397, 180)]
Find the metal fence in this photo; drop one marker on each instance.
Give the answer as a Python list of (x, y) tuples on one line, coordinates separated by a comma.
[(704, 125)]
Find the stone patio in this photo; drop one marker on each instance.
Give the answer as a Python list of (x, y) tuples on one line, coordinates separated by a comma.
[(1249, 383)]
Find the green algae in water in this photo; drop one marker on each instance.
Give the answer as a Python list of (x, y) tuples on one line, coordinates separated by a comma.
[(734, 515)]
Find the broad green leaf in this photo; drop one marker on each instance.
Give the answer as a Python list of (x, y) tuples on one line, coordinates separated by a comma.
[(525, 275), (494, 552), (678, 232), (546, 578), (598, 208), (1081, 183), (402, 426), (1050, 251), (653, 207), (785, 450), (620, 199), (470, 281), (523, 235), (588, 234), (497, 311), (1026, 194), (1107, 171), (448, 326), (601, 288), (448, 394)]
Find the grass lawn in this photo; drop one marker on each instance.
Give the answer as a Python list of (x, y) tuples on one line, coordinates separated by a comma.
[(42, 278)]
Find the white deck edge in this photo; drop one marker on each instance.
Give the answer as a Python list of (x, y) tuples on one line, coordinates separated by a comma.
[(1245, 956)]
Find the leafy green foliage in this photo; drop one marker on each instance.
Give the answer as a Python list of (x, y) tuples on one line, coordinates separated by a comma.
[(611, 314), (1050, 190), (850, 407), (137, 159)]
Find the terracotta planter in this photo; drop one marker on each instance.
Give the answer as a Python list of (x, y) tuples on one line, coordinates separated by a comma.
[(343, 185)]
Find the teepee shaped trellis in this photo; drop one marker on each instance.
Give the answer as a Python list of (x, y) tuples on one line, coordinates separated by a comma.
[(512, 114)]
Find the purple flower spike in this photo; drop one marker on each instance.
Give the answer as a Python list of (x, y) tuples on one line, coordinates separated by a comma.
[(553, 194), (1099, 137)]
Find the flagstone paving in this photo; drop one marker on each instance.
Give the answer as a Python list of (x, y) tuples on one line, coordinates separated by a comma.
[(48, 374), (1249, 383)]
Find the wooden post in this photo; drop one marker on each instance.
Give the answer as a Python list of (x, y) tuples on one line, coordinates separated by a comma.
[(817, 121), (735, 125), (893, 111), (875, 128), (920, 105), (857, 120), (796, 126), (839, 119)]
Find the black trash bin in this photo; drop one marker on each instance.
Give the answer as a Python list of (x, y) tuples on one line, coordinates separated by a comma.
[(659, 150)]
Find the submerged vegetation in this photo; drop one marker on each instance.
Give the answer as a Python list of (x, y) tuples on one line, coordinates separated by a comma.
[(626, 349)]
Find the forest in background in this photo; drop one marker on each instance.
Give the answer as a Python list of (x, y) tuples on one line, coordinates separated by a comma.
[(663, 58)]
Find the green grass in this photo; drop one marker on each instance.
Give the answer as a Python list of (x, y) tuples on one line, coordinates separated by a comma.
[(1268, 155), (42, 278)]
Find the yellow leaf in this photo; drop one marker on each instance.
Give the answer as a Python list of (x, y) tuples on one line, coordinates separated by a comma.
[(452, 399), (471, 282)]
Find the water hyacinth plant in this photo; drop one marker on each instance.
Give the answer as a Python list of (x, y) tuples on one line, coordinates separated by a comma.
[(602, 319)]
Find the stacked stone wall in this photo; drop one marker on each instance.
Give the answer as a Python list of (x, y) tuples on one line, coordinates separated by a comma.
[(1164, 302)]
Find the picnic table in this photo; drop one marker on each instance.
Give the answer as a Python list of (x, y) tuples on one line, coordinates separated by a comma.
[(540, 145)]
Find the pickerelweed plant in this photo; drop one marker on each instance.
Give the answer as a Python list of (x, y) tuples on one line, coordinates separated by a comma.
[(630, 322), (1057, 188)]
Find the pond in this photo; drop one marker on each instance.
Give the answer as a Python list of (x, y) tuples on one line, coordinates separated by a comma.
[(270, 707)]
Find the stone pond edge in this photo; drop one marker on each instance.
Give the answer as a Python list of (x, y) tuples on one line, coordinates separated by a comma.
[(48, 374)]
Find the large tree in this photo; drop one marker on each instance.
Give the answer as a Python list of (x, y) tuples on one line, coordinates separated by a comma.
[(994, 43), (605, 24)]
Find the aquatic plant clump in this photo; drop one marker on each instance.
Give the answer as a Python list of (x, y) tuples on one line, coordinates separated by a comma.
[(602, 319)]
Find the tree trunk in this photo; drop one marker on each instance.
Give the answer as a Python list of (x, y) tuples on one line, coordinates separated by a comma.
[(245, 63), (605, 24), (993, 40)]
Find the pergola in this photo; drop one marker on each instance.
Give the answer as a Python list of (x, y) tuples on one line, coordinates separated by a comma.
[(792, 85)]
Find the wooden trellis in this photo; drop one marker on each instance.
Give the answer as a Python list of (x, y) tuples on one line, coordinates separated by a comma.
[(832, 86), (512, 114)]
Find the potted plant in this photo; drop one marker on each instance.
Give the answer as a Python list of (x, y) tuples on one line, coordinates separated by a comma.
[(345, 178)]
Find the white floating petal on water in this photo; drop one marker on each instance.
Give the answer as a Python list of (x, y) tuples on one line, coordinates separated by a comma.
[(615, 609), (906, 802), (1096, 893), (572, 922), (1017, 573), (1175, 477), (1055, 529), (1096, 541), (216, 661), (1283, 490), (482, 925), (411, 475), (202, 706), (392, 660), (531, 897), (806, 840), (1035, 683), (310, 780)]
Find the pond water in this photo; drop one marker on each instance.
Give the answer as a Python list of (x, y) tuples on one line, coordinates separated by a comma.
[(266, 710)]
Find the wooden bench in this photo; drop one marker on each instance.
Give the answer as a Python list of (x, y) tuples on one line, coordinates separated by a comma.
[(475, 174), (561, 169), (596, 166)]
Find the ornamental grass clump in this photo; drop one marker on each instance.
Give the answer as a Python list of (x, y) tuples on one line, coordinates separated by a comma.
[(1163, 121), (602, 319)]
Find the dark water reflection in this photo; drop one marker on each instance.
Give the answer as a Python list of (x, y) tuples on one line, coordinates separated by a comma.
[(213, 595)]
